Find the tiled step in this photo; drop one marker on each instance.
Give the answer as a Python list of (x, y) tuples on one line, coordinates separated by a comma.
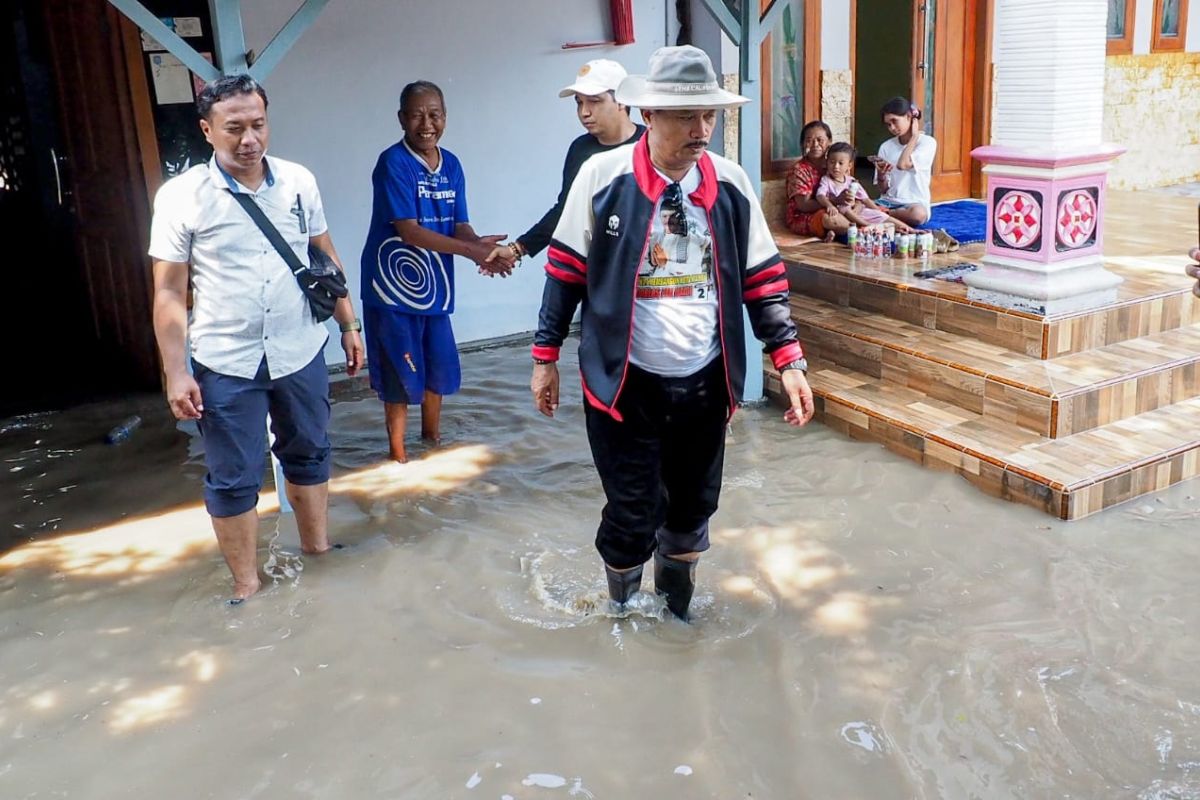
[(1054, 398), (1069, 477), (1149, 302)]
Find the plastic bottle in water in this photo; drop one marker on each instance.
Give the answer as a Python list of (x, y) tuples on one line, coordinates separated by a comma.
[(122, 431)]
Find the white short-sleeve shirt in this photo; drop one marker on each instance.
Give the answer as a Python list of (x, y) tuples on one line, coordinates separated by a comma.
[(245, 301), (909, 186)]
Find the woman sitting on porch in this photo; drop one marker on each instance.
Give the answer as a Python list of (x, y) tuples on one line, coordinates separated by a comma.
[(805, 214), (904, 165)]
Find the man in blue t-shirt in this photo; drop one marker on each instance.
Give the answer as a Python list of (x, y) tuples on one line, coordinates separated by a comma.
[(419, 223)]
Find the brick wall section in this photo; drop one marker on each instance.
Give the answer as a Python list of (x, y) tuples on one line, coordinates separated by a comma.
[(1152, 108)]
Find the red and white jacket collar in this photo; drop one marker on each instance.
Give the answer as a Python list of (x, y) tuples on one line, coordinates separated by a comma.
[(652, 184)]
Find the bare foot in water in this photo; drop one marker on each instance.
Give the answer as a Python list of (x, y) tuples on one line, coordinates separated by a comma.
[(434, 439), (243, 591), (312, 552)]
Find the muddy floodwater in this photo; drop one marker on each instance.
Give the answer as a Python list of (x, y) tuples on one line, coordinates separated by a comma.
[(863, 628)]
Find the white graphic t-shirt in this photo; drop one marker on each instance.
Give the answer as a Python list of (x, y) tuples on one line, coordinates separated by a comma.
[(675, 306)]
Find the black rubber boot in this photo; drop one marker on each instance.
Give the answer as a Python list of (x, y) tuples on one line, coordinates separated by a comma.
[(676, 580), (622, 585)]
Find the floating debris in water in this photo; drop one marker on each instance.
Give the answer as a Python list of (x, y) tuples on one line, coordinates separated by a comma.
[(474, 781), (535, 700), (544, 780), (1163, 743), (577, 790), (862, 734), (683, 769)]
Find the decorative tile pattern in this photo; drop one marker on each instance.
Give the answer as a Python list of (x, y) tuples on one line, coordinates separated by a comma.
[(1076, 222), (1017, 219)]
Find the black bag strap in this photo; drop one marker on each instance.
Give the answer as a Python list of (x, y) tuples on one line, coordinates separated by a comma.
[(273, 235)]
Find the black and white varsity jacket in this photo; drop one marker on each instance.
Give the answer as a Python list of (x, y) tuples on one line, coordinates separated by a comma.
[(602, 238)]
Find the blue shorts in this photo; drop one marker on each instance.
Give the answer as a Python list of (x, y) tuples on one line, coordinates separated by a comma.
[(234, 430), (410, 354), (884, 202)]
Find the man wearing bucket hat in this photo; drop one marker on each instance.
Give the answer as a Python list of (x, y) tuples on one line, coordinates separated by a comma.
[(663, 243), (608, 126)]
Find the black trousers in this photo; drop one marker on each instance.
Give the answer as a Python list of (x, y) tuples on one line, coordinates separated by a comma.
[(660, 467)]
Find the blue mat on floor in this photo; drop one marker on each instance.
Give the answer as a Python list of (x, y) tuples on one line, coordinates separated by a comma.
[(965, 220)]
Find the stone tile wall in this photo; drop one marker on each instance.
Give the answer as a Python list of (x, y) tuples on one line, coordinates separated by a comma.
[(1152, 108), (837, 102)]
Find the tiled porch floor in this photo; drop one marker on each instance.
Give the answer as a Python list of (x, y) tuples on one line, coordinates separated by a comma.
[(1071, 413)]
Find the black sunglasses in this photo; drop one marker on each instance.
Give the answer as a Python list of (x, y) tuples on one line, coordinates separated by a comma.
[(673, 196)]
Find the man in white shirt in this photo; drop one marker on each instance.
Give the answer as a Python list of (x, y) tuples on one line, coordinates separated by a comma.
[(256, 347)]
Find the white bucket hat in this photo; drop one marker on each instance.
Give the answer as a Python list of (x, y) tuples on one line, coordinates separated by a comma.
[(595, 78), (680, 77)]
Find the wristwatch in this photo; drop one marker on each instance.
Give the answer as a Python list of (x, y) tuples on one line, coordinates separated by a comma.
[(800, 364), (352, 325)]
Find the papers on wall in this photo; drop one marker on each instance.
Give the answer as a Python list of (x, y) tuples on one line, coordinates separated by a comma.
[(185, 27), (172, 80)]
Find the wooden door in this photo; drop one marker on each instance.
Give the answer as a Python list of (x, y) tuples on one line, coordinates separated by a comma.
[(944, 78), (104, 188)]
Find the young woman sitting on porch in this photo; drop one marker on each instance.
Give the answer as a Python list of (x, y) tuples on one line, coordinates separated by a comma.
[(904, 165), (805, 214)]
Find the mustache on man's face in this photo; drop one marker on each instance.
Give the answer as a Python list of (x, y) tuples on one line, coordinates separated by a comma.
[(698, 143)]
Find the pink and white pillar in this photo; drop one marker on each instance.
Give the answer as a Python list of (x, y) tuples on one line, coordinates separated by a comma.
[(1047, 168)]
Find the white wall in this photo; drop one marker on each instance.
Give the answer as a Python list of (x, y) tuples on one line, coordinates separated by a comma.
[(708, 36), (500, 64), (1143, 26), (835, 34)]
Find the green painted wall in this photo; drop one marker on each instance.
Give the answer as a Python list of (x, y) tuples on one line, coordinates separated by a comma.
[(883, 65)]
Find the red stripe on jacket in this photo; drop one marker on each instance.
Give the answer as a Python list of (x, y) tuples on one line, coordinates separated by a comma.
[(565, 276), (773, 271), (556, 254), (789, 352), (759, 292), (545, 352), (595, 402)]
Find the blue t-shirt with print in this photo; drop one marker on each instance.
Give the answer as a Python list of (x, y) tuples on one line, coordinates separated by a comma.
[(397, 275)]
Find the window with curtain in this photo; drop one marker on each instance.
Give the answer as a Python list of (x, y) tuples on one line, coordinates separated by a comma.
[(1120, 26), (790, 74), (1170, 25), (787, 82), (1118, 13)]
